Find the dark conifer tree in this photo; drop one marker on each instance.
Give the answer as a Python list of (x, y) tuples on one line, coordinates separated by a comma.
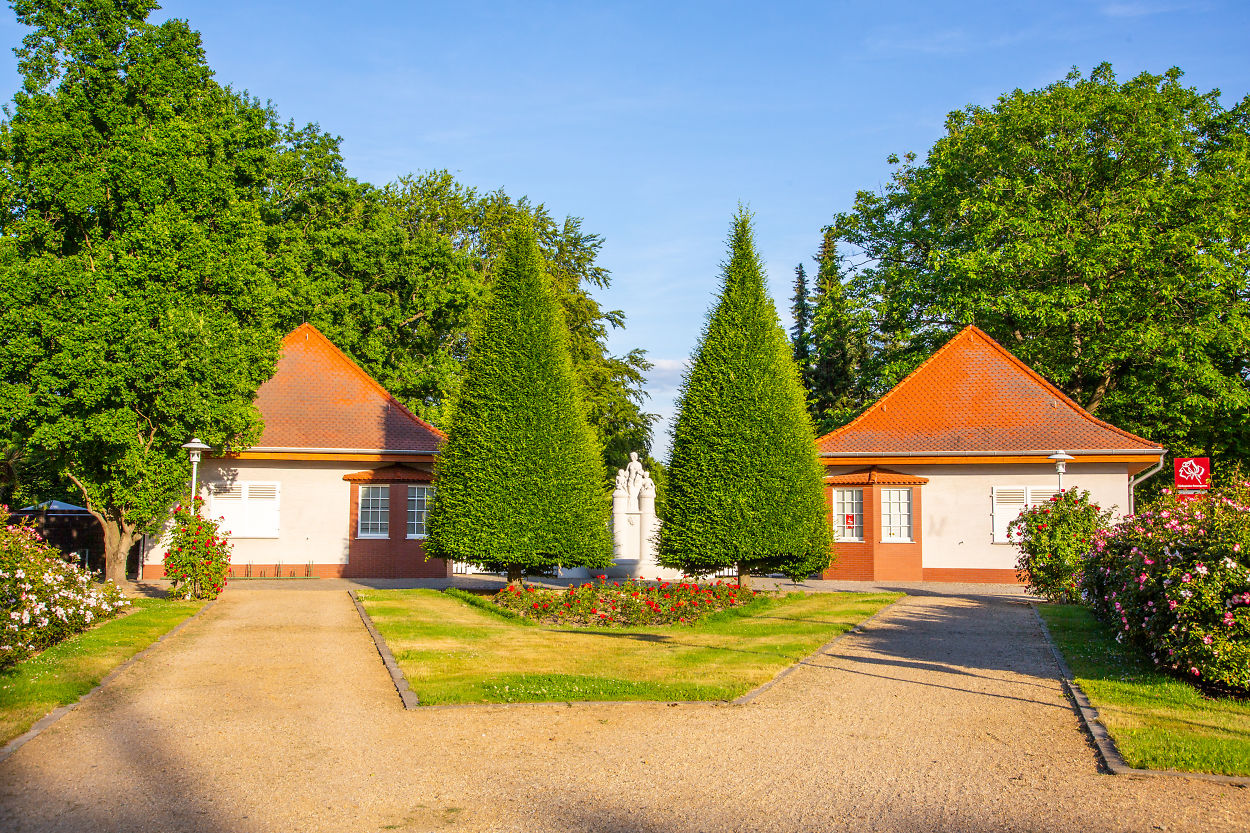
[(839, 347), (520, 477), (801, 307), (744, 484)]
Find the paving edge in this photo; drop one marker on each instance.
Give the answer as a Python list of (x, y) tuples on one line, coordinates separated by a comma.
[(60, 711), (790, 669), (1107, 750), (406, 694)]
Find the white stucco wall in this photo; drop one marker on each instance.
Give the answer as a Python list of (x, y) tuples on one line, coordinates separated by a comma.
[(314, 510), (956, 505)]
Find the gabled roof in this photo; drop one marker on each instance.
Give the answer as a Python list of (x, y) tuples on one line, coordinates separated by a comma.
[(973, 397), (320, 400), (875, 476)]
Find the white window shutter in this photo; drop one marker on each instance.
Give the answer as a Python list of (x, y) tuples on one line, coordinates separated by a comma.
[(262, 510), (1008, 502)]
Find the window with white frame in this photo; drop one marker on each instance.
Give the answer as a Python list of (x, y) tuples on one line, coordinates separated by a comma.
[(1007, 502), (848, 514), (373, 519), (895, 515), (246, 509), (418, 505)]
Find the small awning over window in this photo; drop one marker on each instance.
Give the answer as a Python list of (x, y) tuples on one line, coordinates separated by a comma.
[(874, 476), (397, 473)]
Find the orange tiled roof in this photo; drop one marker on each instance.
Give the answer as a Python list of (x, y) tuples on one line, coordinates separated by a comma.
[(874, 475), (974, 397), (320, 399)]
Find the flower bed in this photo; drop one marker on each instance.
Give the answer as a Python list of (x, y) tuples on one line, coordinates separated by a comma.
[(1175, 579), (622, 605), (43, 598), (1053, 538)]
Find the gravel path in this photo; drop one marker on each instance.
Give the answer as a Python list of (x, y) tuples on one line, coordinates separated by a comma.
[(273, 713)]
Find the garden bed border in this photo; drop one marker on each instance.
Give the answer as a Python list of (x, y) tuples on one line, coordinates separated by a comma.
[(411, 702), (60, 711), (1103, 742)]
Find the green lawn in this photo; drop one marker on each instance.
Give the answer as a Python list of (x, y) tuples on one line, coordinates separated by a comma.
[(70, 669), (453, 652), (1158, 722)]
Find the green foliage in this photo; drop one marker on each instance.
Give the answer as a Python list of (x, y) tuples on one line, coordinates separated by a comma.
[(520, 476), (801, 333), (132, 259), (43, 598), (1098, 230), (198, 555), (1175, 580), (836, 380), (629, 605), (483, 603), (1054, 538), (477, 225), (744, 485)]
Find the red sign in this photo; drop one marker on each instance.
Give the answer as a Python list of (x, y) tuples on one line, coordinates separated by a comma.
[(1193, 472), (850, 522)]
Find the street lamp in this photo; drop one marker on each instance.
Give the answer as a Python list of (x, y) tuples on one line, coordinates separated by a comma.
[(194, 448), (1061, 459)]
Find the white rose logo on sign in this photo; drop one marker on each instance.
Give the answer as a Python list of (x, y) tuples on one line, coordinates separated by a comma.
[(1193, 472)]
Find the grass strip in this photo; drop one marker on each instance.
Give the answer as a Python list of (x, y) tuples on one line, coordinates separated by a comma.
[(453, 651), (1157, 721), (484, 603), (69, 669)]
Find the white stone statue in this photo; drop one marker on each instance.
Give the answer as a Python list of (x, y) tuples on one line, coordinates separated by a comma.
[(634, 524)]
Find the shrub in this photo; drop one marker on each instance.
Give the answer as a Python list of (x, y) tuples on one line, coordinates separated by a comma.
[(1054, 538), (623, 605), (1175, 579), (198, 555), (43, 598)]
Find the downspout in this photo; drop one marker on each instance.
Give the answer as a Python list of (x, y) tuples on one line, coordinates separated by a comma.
[(1142, 478)]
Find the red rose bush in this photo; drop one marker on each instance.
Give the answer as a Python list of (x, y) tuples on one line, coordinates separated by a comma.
[(623, 604)]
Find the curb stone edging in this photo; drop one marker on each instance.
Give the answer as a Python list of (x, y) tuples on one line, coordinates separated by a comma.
[(406, 694), (60, 711), (790, 669), (1107, 750)]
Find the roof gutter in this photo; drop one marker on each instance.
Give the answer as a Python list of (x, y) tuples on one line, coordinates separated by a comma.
[(292, 449), (1151, 452), (1141, 478)]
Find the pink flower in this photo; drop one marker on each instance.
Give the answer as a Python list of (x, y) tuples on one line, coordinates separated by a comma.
[(1206, 640)]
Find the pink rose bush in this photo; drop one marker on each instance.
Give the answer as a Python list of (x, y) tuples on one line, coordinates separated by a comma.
[(618, 604), (1054, 538), (44, 598), (1175, 580), (198, 556)]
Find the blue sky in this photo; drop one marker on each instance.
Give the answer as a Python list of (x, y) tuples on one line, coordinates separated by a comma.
[(653, 120)]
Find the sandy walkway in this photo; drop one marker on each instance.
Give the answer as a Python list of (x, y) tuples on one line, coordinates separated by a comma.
[(273, 713)]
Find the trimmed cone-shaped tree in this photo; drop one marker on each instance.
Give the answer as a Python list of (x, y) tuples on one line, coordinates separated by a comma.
[(744, 483), (520, 477)]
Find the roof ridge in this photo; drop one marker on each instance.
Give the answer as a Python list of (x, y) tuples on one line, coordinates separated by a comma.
[(307, 328), (1019, 363), (880, 403)]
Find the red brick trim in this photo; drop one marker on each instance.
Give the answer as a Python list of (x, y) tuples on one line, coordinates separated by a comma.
[(971, 575)]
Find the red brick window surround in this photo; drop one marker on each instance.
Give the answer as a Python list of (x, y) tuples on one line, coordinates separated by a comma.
[(374, 509)]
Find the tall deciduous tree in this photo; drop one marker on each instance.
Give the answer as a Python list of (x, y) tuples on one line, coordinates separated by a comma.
[(132, 258), (521, 475), (744, 484), (1099, 230)]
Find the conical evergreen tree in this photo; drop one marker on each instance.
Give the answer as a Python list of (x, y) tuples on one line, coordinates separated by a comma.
[(520, 477), (801, 307), (839, 347), (744, 484)]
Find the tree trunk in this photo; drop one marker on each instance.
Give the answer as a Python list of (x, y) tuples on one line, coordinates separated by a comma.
[(119, 537), (516, 574), (744, 576)]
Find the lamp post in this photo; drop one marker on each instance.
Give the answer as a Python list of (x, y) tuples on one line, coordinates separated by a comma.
[(1061, 459), (194, 449)]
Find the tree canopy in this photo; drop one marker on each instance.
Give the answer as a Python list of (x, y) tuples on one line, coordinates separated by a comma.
[(132, 258), (744, 484), (1099, 230), (520, 476)]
